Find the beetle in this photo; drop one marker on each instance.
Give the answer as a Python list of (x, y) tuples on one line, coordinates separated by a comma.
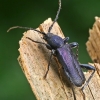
[(63, 51)]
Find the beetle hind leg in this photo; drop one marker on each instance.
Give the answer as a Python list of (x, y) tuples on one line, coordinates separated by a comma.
[(88, 67)]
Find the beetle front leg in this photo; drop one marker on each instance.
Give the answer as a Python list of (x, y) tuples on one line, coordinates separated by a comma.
[(47, 45), (66, 40), (88, 67)]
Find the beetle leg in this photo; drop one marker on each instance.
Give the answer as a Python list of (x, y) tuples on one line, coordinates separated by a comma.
[(88, 67), (66, 40), (73, 93), (74, 44), (52, 52), (47, 45), (71, 84)]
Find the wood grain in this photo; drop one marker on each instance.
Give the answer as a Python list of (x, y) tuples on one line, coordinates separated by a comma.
[(93, 43), (34, 59)]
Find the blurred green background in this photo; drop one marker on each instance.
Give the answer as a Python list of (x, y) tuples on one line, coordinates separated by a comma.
[(75, 19)]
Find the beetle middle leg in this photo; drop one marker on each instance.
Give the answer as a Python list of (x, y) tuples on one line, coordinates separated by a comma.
[(48, 47), (88, 67), (75, 45), (52, 52)]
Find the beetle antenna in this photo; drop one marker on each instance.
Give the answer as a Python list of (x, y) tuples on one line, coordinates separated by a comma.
[(55, 17), (25, 28)]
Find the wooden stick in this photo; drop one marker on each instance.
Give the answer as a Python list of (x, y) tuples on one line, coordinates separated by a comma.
[(34, 59)]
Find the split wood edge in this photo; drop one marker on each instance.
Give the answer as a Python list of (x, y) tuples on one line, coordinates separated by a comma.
[(34, 59), (93, 43), (93, 48)]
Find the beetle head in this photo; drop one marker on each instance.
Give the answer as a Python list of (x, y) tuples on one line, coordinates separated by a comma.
[(53, 40)]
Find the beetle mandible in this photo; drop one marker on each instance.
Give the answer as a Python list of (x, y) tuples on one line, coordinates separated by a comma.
[(63, 51)]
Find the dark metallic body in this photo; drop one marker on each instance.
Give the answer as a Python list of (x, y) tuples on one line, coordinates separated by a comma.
[(70, 64), (67, 58), (63, 51)]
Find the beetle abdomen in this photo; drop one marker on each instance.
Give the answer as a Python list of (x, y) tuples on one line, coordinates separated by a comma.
[(70, 64)]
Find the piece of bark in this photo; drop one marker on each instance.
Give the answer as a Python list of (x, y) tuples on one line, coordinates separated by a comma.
[(34, 60), (93, 43), (93, 48)]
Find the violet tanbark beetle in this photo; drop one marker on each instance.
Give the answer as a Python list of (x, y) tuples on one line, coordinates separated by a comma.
[(63, 51)]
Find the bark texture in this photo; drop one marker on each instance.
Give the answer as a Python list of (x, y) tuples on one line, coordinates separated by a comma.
[(34, 59)]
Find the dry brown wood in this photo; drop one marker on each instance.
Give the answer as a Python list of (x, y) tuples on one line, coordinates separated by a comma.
[(93, 43), (93, 48), (34, 59)]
